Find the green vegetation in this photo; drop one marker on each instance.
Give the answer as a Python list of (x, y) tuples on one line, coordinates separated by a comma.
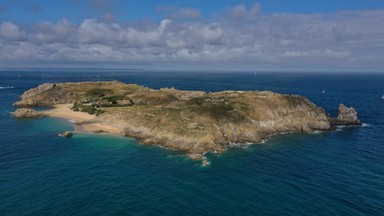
[(88, 109), (75, 107), (97, 92), (218, 111), (93, 104), (99, 112), (114, 101)]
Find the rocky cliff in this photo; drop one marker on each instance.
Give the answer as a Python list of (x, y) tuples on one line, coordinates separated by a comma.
[(191, 121)]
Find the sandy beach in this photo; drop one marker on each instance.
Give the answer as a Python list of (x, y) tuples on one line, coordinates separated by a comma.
[(64, 111)]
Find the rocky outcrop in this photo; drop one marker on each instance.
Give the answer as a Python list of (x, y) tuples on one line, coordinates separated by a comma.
[(346, 116), (27, 98), (27, 113), (67, 134)]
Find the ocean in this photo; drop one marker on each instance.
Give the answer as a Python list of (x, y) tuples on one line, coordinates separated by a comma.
[(327, 173)]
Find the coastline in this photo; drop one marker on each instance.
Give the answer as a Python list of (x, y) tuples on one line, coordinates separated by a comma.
[(191, 121), (82, 121)]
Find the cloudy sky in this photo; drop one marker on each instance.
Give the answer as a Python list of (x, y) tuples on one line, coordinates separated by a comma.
[(305, 35)]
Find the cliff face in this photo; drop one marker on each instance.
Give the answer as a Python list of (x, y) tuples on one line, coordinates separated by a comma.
[(192, 121)]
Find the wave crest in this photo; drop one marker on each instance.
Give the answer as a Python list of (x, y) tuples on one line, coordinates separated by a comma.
[(7, 87)]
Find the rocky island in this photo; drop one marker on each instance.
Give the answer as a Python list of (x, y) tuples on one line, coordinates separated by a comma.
[(191, 121)]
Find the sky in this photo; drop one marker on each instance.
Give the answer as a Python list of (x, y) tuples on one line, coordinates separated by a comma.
[(264, 35)]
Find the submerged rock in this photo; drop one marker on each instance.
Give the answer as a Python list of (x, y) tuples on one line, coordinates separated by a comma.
[(27, 113)]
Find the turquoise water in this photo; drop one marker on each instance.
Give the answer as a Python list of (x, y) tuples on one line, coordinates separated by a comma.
[(331, 173)]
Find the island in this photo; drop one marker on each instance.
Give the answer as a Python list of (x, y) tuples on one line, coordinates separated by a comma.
[(194, 122)]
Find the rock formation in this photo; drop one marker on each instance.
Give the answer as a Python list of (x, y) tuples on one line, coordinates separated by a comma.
[(27, 113), (346, 116), (67, 134), (28, 97), (192, 121)]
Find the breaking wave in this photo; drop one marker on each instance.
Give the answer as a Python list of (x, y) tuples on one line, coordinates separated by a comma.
[(6, 87), (239, 145)]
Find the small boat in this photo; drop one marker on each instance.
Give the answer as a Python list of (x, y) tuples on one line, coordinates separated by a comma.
[(323, 91), (382, 97)]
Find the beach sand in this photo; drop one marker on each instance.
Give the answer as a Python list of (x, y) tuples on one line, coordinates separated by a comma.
[(64, 111)]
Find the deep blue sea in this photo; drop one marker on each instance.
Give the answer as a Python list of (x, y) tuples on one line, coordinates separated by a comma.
[(329, 173)]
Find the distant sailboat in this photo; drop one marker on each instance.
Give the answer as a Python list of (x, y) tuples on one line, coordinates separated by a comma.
[(323, 91), (382, 97)]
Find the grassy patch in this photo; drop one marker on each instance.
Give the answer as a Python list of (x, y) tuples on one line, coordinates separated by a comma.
[(220, 112), (88, 109), (97, 92)]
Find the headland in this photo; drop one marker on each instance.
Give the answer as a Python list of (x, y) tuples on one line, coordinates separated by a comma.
[(191, 121)]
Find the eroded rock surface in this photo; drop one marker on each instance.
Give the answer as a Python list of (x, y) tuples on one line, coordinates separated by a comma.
[(27, 113), (347, 116)]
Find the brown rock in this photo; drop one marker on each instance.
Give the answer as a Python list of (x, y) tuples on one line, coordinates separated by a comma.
[(27, 113), (348, 115), (67, 134)]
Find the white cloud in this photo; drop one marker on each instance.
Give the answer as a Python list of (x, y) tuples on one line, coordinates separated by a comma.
[(317, 53), (48, 32), (10, 31), (242, 13), (244, 36)]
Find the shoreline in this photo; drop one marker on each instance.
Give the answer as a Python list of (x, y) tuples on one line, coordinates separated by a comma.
[(81, 120)]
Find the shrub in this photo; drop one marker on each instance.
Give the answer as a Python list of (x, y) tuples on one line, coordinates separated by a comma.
[(88, 109), (97, 92), (130, 102), (99, 112), (75, 106)]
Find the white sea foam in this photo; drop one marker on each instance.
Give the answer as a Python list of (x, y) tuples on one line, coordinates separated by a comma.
[(340, 127), (205, 162), (6, 87), (366, 125), (316, 132), (287, 132), (239, 145)]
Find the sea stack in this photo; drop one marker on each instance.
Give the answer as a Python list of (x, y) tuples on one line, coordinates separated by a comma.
[(346, 116)]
